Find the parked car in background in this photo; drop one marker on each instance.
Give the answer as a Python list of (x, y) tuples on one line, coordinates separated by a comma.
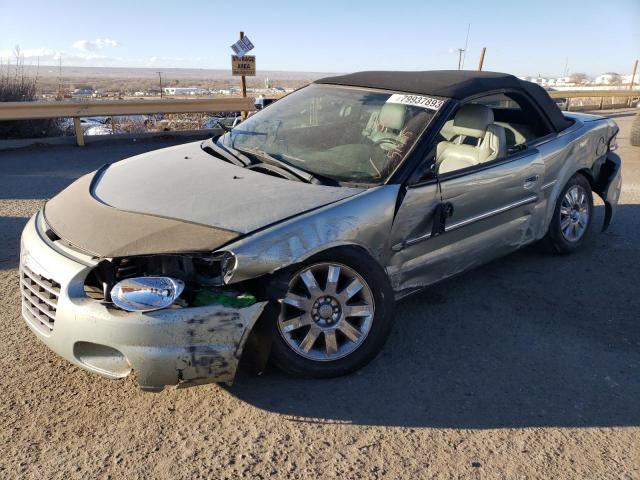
[(229, 120), (296, 231), (262, 102), (102, 129), (67, 126)]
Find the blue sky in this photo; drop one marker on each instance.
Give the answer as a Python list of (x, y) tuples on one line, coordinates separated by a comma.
[(524, 38)]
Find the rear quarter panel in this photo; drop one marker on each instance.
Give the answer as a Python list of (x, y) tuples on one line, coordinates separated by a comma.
[(581, 147)]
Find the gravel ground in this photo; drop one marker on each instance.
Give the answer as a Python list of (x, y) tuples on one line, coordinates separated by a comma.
[(525, 368)]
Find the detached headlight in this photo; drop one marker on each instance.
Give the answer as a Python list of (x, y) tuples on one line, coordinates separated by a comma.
[(144, 294)]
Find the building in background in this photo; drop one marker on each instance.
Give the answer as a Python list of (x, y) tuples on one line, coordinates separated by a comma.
[(609, 78), (184, 91)]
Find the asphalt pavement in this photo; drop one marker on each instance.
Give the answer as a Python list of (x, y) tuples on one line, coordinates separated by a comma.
[(528, 367)]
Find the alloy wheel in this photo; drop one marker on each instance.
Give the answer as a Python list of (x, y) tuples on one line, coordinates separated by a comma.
[(327, 312), (574, 213)]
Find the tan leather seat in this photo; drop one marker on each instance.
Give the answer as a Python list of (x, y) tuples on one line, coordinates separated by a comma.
[(389, 122), (474, 121)]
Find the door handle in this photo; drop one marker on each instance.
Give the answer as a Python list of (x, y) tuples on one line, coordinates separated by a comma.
[(530, 182)]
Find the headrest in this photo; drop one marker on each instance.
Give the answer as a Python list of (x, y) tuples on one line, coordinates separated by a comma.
[(472, 120), (392, 115)]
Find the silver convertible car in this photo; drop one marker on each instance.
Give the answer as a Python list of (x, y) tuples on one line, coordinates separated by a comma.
[(290, 236)]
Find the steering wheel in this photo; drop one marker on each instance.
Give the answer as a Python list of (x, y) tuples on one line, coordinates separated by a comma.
[(386, 140)]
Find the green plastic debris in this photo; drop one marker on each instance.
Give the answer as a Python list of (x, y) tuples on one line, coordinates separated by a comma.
[(229, 299)]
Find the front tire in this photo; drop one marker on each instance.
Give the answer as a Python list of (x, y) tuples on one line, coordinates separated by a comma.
[(335, 315), (572, 217)]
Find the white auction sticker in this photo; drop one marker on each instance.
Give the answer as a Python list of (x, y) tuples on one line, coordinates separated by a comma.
[(416, 101)]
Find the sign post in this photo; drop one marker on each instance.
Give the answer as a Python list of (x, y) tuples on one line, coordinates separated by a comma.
[(242, 64)]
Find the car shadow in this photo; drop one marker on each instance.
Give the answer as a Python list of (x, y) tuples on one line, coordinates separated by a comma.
[(528, 340)]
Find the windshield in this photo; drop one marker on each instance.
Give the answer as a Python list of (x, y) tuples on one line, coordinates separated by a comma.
[(344, 133)]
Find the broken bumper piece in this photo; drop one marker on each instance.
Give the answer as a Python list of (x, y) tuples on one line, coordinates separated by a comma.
[(174, 346)]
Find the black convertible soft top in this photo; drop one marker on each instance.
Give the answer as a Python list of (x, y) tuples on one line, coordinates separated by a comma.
[(458, 84)]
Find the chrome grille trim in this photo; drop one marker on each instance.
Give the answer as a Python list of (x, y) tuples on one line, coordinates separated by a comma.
[(39, 299)]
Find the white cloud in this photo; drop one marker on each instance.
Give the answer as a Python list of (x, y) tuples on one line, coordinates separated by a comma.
[(43, 54), (83, 51), (95, 53), (93, 45), (48, 56)]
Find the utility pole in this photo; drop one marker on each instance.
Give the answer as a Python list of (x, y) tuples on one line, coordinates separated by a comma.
[(243, 85), (484, 49), (633, 75), (160, 77), (460, 50), (60, 95)]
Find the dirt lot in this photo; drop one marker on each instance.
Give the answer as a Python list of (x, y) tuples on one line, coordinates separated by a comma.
[(526, 368)]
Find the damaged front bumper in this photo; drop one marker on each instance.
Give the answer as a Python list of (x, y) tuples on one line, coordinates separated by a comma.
[(184, 346)]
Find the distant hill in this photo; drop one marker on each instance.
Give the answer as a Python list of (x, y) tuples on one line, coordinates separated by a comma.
[(113, 79)]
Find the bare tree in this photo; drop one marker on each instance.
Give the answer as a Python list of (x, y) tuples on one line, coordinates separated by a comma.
[(17, 86), (614, 78), (578, 78)]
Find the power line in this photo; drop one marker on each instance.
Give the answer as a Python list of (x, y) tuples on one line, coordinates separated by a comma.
[(462, 51)]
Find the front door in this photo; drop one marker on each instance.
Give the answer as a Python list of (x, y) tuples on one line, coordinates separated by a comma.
[(493, 210), (493, 207)]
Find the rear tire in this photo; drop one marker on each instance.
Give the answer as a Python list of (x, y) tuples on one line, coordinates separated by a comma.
[(335, 316), (571, 222)]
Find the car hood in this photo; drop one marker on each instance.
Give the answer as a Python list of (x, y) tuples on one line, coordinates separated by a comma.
[(174, 200)]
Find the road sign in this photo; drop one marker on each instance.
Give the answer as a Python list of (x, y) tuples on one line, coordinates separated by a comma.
[(243, 65), (242, 47)]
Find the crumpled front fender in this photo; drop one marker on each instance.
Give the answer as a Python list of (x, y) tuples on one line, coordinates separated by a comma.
[(363, 220)]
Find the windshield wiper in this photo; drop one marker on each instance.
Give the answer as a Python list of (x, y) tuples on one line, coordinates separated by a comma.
[(243, 158), (268, 158), (212, 148)]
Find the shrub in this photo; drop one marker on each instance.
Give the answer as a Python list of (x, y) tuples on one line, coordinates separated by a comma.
[(16, 86)]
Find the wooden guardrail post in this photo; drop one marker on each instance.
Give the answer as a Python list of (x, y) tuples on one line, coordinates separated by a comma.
[(79, 133), (568, 105), (601, 102)]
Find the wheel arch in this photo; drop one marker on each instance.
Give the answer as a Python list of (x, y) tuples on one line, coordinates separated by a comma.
[(257, 351), (588, 174)]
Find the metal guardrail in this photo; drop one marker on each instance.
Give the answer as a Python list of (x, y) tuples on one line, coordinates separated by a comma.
[(601, 94), (76, 110)]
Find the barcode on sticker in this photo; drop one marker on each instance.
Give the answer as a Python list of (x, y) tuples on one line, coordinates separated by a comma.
[(416, 101)]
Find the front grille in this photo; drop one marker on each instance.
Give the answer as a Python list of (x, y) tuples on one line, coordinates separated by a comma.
[(39, 299)]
